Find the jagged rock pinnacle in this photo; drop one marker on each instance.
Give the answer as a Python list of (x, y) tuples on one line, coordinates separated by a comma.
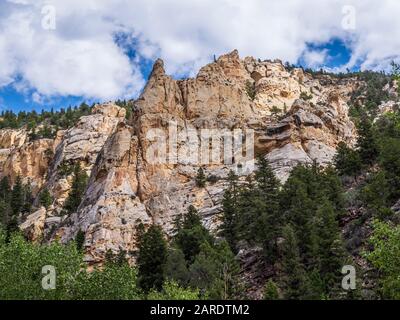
[(158, 68)]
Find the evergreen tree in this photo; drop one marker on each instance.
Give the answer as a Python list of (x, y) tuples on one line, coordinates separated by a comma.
[(300, 215), (293, 277), (229, 227), (17, 196), (192, 235), (201, 178), (347, 161), (151, 259), (271, 291), (45, 198), (367, 145), (175, 267), (80, 240), (266, 181), (269, 217), (77, 190), (376, 194), (249, 207), (331, 251), (4, 214), (332, 188), (5, 189), (28, 198), (389, 160), (215, 271)]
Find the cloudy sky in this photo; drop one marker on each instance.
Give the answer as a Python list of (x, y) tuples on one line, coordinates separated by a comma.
[(60, 52)]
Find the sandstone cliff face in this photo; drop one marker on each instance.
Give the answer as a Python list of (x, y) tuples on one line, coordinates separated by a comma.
[(296, 119), (126, 188), (81, 144)]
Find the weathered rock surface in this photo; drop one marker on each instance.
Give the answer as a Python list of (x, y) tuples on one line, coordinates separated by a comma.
[(30, 161), (82, 144), (33, 226)]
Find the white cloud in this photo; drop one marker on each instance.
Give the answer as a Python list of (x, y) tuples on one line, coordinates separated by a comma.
[(81, 58), (315, 58)]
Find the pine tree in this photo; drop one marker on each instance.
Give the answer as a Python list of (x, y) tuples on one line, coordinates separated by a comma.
[(293, 275), (376, 193), (201, 178), (231, 207), (269, 215), (77, 190), (151, 259), (347, 161), (333, 278), (5, 189), (176, 268), (271, 291), (331, 251), (80, 240), (215, 271), (389, 160), (266, 181), (249, 207), (300, 214), (332, 188), (28, 198), (45, 198), (191, 235), (17, 196), (367, 144), (4, 212)]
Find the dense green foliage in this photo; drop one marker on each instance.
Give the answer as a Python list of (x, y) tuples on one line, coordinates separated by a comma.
[(378, 149), (304, 212), (45, 198), (198, 260), (51, 120), (78, 189), (385, 256), (271, 291), (21, 267), (14, 202), (347, 161), (151, 259)]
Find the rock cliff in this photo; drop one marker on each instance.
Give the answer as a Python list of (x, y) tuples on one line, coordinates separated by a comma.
[(144, 169)]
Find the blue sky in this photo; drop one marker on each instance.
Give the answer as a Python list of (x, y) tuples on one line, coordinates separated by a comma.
[(56, 53)]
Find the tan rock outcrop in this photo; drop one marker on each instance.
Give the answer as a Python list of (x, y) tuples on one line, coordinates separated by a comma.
[(12, 138), (30, 161), (81, 144), (33, 226)]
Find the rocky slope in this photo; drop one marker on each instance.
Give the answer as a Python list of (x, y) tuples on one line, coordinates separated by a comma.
[(296, 118)]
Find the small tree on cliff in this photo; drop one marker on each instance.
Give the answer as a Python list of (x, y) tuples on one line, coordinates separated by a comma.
[(230, 205), (17, 196), (201, 178), (45, 198), (347, 161), (77, 190)]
